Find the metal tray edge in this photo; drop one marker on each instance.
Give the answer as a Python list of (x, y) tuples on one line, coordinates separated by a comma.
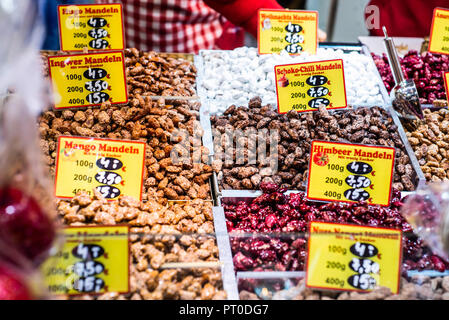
[(224, 251)]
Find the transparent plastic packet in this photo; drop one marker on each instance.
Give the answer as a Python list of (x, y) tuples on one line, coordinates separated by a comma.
[(427, 211), (27, 207)]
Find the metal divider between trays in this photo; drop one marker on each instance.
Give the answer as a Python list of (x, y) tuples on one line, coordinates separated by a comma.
[(223, 240), (223, 243), (188, 99), (345, 47)]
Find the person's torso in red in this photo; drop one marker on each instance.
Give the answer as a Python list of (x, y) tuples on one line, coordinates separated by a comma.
[(406, 18)]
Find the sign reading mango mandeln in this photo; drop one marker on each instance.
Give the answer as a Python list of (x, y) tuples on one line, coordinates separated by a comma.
[(113, 167)]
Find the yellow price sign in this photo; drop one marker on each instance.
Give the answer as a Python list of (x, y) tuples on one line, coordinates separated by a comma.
[(289, 30), (93, 26), (350, 172), (93, 260), (353, 258), (83, 80), (305, 86), (446, 83), (439, 32), (113, 167)]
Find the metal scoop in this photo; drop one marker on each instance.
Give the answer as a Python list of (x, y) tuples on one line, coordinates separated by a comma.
[(404, 95)]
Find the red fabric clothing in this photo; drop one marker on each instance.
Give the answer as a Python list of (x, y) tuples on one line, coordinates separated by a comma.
[(189, 25), (406, 18), (243, 12)]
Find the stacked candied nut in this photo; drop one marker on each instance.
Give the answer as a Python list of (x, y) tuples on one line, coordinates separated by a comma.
[(296, 131), (159, 234), (430, 141), (255, 247)]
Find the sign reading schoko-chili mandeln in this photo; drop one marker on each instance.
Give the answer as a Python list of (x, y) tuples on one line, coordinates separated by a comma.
[(439, 32), (306, 86), (83, 80), (113, 167), (350, 172), (93, 26), (289, 30), (93, 260), (353, 258)]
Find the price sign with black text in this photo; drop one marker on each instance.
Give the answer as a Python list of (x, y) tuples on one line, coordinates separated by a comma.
[(439, 32), (93, 260), (350, 172), (83, 80), (353, 258), (446, 84), (92, 27), (289, 30), (305, 86)]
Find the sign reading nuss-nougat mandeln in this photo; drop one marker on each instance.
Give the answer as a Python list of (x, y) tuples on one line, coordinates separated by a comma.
[(93, 26), (305, 86), (350, 172), (83, 80), (293, 31), (113, 167)]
